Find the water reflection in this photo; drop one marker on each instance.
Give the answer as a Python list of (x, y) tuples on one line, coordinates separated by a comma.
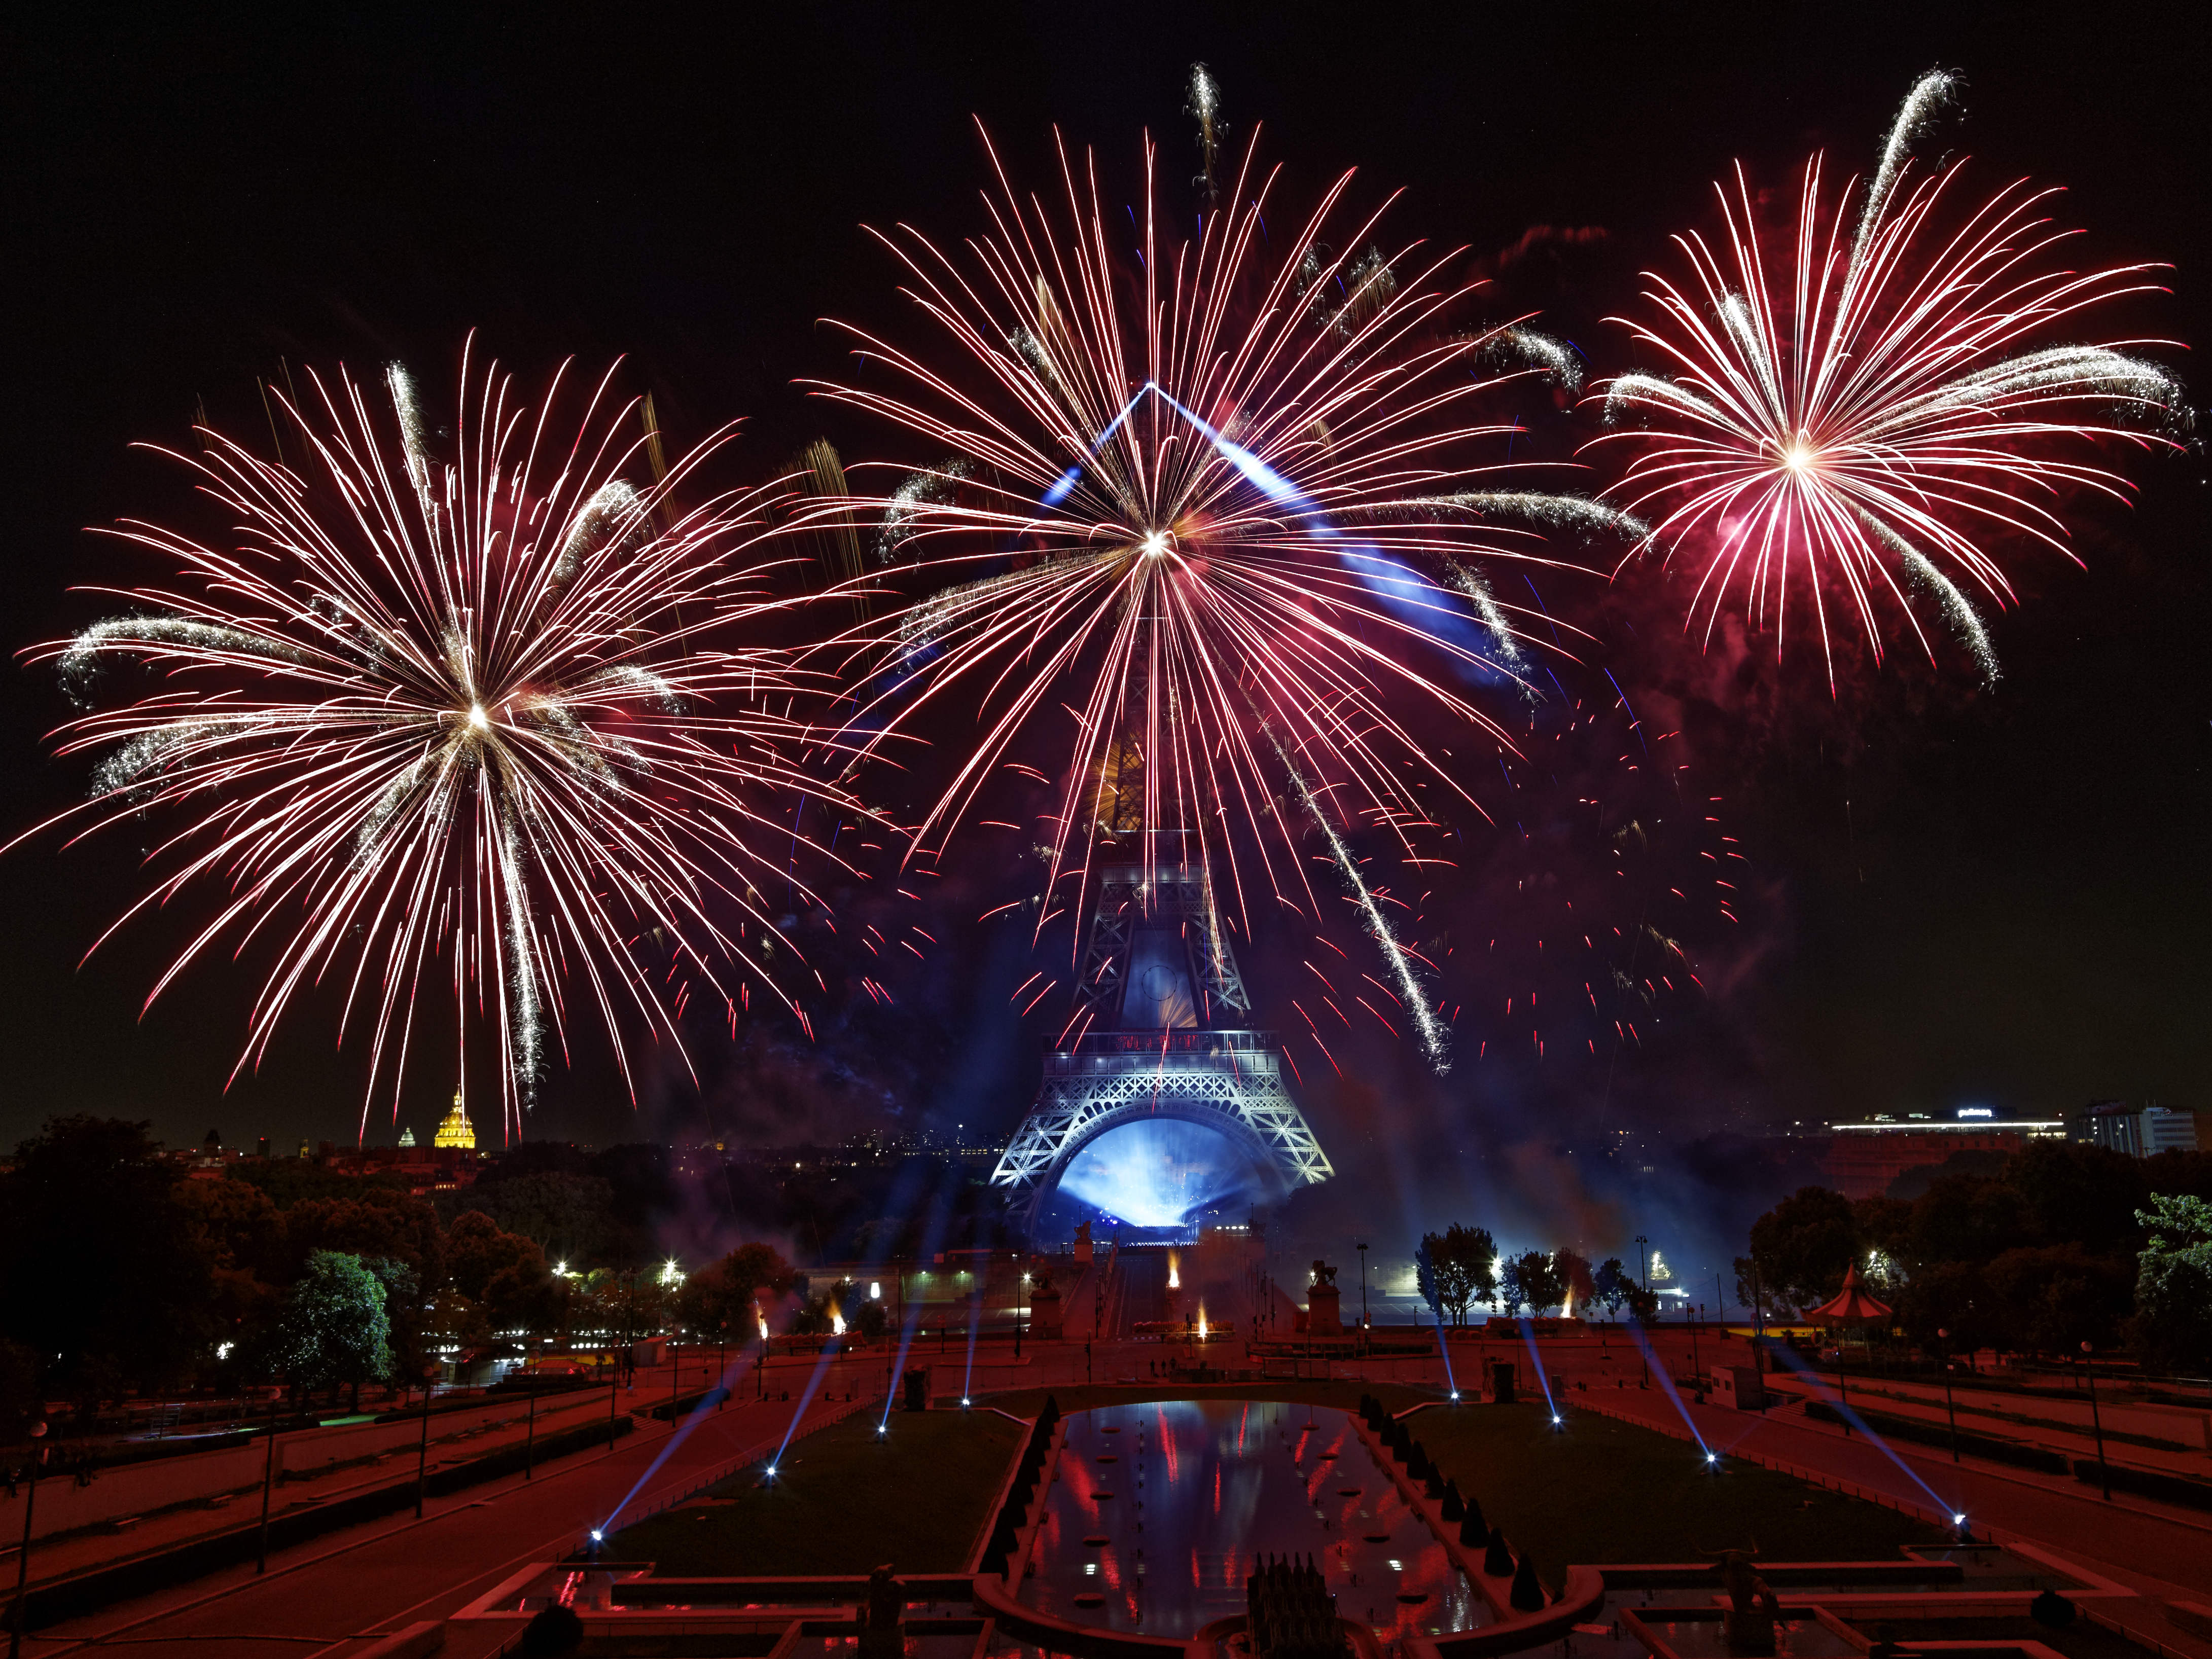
[(1160, 1511)]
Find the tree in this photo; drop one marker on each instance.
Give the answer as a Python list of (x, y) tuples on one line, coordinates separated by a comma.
[(335, 1331), (1425, 1279), (1804, 1245), (2051, 1298), (1456, 1268), (1540, 1280), (2173, 1280), (476, 1248), (102, 1273), (2076, 1193), (568, 1217), (1611, 1284), (1949, 1296), (718, 1301), (20, 1399), (240, 1233), (379, 1221), (1885, 1228), (525, 1298), (1965, 1219), (1510, 1296)]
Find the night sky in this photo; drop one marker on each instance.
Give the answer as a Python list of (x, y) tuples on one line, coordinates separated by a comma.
[(1951, 895)]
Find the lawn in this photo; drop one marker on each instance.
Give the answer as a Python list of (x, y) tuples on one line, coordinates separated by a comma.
[(1603, 1490), (842, 1503)]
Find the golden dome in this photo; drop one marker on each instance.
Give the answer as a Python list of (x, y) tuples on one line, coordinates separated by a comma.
[(457, 1130)]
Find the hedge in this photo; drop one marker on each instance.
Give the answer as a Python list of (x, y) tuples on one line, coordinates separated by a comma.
[(2146, 1483)]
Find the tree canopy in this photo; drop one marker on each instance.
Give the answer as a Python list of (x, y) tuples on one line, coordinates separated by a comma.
[(335, 1332), (1456, 1268)]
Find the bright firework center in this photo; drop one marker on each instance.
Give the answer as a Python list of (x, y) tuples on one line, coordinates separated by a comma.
[(1168, 1109)]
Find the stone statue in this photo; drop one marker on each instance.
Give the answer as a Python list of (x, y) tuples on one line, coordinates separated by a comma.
[(1753, 1608), (1323, 1273), (881, 1635)]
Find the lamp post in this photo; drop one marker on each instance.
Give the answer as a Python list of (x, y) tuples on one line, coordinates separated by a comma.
[(1362, 1248), (1021, 1307), (1943, 1336), (1757, 1332), (1644, 1250), (268, 1480), (422, 1450), (1696, 1370), (21, 1610), (2097, 1423)]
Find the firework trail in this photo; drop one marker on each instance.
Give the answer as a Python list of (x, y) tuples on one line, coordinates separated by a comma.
[(1197, 492), (1204, 106), (477, 709), (1436, 1041), (1864, 413)]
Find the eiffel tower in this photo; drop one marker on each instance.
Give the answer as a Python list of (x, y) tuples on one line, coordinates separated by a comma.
[(1169, 1036)]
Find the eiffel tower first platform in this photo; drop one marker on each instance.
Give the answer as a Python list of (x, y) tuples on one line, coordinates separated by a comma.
[(1168, 1036)]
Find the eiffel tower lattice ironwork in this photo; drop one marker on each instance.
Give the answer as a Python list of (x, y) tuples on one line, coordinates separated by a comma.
[(1167, 1034)]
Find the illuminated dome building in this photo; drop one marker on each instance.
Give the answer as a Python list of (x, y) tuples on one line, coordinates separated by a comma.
[(457, 1130)]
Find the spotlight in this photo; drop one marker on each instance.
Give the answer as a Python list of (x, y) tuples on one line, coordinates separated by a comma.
[(1712, 1457), (598, 1537), (1557, 1419), (881, 1429), (1455, 1393), (963, 1402), (771, 1471), (1958, 1519)]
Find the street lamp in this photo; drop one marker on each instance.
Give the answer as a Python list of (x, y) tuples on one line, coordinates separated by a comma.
[(1943, 1336), (23, 1556), (1362, 1248), (1643, 1248), (2097, 1423), (268, 1481)]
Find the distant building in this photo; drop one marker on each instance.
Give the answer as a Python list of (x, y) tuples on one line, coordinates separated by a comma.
[(407, 1137), (1863, 1158), (2138, 1131), (457, 1130)]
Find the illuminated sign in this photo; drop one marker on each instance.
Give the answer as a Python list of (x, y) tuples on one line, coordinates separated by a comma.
[(1976, 1111)]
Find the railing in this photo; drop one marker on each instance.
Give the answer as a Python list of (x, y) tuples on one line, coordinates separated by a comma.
[(1105, 1051)]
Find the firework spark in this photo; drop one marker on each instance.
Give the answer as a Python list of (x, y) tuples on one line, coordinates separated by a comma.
[(1863, 413), (1218, 508), (1204, 106), (480, 710)]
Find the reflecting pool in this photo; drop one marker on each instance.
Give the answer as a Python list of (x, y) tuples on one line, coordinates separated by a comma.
[(1159, 1512)]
